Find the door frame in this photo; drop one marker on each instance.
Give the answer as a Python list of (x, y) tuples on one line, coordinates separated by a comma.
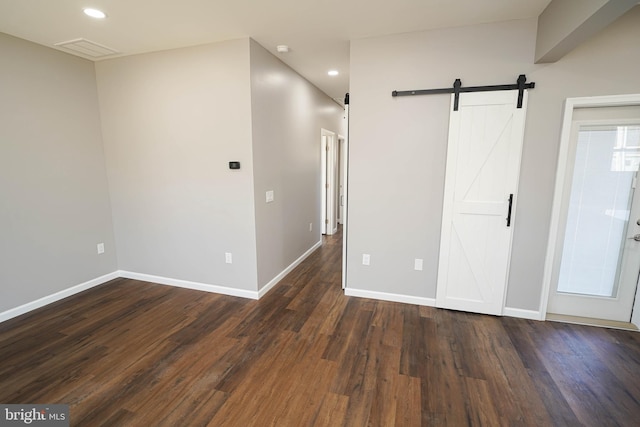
[(558, 196), (344, 158), (342, 170), (328, 223)]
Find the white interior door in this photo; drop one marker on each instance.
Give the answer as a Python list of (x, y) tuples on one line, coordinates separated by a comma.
[(597, 269), (481, 182)]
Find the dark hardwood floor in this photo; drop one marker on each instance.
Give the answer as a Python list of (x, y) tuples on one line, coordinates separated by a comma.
[(130, 353)]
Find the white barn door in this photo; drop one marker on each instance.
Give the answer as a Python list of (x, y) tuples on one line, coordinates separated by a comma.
[(482, 171)]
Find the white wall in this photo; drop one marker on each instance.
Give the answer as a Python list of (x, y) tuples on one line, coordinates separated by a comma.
[(398, 145), (287, 116), (172, 121), (54, 200)]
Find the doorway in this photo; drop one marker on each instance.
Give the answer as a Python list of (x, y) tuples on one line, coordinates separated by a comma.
[(593, 260), (334, 188)]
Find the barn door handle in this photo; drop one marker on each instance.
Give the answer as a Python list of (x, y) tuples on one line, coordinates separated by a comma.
[(509, 213)]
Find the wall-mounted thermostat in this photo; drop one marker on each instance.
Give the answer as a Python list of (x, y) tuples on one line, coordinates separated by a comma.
[(234, 165)]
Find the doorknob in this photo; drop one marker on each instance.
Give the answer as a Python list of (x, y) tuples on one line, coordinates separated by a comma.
[(636, 238)]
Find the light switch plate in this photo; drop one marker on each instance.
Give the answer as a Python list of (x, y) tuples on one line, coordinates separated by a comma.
[(269, 196)]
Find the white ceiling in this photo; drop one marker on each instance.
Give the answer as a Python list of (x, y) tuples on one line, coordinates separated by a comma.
[(317, 31)]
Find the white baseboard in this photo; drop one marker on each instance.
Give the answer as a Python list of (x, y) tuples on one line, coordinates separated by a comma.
[(384, 296), (431, 302), (189, 285), (266, 288), (41, 302), (522, 314)]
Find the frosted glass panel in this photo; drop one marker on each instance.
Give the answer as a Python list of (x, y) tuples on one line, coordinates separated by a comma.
[(606, 162)]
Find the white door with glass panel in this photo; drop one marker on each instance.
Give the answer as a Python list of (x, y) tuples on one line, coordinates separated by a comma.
[(598, 263)]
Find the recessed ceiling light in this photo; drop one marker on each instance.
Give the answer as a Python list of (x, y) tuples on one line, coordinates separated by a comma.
[(333, 72), (95, 13)]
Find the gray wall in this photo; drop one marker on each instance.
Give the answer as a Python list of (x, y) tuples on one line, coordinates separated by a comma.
[(172, 121), (287, 116), (608, 64), (398, 145), (54, 199)]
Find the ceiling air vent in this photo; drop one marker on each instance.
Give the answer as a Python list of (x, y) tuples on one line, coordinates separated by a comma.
[(87, 48)]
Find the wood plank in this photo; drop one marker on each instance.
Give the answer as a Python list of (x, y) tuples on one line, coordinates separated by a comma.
[(332, 411), (522, 335), (481, 404), (408, 410), (442, 389)]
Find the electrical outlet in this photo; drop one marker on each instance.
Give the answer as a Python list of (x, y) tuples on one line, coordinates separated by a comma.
[(100, 248), (228, 258), (366, 259), (310, 226), (417, 264)]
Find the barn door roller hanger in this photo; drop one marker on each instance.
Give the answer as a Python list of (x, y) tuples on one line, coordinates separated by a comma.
[(457, 89)]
